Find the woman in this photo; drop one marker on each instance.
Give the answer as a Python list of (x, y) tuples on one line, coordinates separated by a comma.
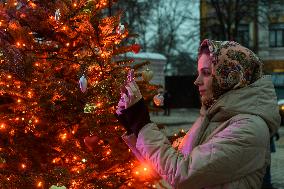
[(228, 145)]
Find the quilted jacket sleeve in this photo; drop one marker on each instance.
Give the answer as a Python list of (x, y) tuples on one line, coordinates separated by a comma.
[(237, 150), (130, 140)]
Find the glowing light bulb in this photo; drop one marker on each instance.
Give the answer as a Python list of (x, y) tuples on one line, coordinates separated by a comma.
[(18, 44), (2, 126), (145, 169), (39, 184), (67, 44), (64, 28), (63, 136), (74, 183), (23, 166), (74, 4), (84, 160), (19, 100), (12, 132), (9, 76), (15, 3), (33, 5), (36, 120), (182, 131), (137, 172)]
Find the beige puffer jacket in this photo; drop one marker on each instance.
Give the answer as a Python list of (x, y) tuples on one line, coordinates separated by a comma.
[(226, 148)]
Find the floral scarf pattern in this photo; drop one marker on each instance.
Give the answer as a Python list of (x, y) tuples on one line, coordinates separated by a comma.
[(234, 66)]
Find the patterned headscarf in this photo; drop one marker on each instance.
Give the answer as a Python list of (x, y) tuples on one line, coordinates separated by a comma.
[(234, 66)]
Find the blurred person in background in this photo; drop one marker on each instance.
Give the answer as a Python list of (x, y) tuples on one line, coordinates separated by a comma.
[(167, 101)]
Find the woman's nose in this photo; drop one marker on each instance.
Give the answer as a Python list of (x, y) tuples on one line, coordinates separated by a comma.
[(198, 81)]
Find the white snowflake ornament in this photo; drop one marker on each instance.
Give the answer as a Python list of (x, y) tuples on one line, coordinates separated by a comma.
[(57, 15), (120, 29), (83, 83)]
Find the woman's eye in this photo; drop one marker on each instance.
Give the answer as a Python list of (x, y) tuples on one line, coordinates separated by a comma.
[(206, 73)]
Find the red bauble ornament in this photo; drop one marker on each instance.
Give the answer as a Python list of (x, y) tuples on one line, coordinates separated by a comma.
[(91, 141), (136, 48), (159, 100)]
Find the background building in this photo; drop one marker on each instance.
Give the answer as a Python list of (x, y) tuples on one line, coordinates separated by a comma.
[(256, 24)]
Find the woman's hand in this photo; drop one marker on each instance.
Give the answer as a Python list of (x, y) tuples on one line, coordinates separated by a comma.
[(131, 109), (130, 94), (129, 98)]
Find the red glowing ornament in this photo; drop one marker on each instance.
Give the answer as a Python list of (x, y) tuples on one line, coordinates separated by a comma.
[(159, 100), (91, 141), (136, 48)]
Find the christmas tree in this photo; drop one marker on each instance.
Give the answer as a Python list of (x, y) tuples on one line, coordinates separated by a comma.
[(60, 81)]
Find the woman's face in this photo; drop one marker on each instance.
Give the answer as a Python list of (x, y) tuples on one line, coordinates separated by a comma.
[(204, 79)]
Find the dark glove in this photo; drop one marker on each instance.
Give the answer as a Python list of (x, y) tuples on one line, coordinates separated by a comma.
[(123, 120), (135, 117)]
